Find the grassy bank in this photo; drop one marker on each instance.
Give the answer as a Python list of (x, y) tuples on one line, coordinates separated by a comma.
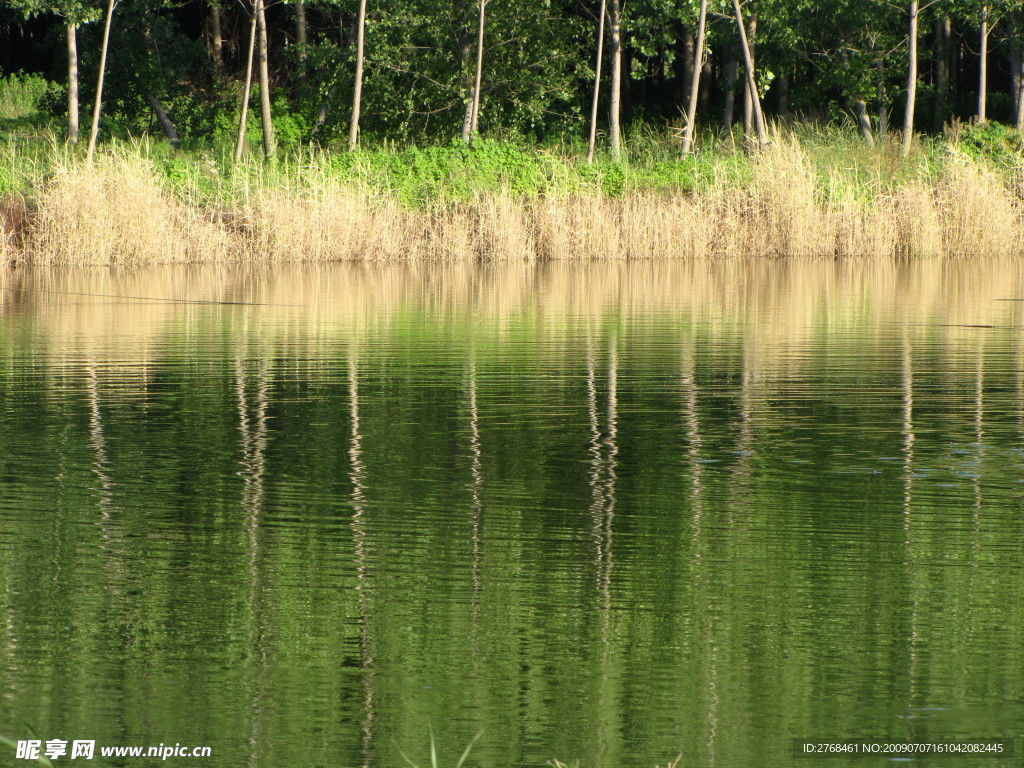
[(811, 192)]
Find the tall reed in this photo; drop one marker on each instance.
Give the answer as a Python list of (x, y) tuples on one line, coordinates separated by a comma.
[(122, 210)]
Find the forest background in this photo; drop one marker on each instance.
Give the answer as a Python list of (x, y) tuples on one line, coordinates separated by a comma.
[(182, 65), (445, 100)]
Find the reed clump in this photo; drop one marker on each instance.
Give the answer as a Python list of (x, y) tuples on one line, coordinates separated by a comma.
[(114, 211), (784, 202), (980, 214)]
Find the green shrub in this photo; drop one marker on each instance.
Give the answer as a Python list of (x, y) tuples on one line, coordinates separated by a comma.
[(21, 94), (999, 144)]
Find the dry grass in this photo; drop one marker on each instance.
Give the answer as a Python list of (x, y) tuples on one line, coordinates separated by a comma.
[(116, 212), (978, 213), (331, 224)]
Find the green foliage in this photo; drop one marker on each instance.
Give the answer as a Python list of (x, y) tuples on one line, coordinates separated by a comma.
[(420, 56), (1001, 145), (21, 94), (427, 177), (290, 127), (433, 752), (456, 172), (24, 101)]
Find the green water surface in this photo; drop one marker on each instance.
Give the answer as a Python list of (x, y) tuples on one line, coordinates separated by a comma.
[(607, 514)]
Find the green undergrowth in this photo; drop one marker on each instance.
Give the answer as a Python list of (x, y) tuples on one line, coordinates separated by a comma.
[(427, 176)]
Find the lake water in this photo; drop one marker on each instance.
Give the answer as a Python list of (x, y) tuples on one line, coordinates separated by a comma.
[(603, 513)]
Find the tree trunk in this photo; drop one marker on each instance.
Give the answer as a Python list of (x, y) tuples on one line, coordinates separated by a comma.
[(1017, 81), (748, 61), (164, 120), (216, 39), (592, 138), (1019, 78), (729, 108), (265, 116), (300, 26), (748, 105), (247, 90), (783, 104), (465, 44), (473, 103), (301, 37), (626, 111), (321, 113), (706, 78), (860, 107), (479, 69), (357, 92), (908, 113), (467, 120), (883, 102), (686, 47), (72, 33), (698, 65), (943, 32), (983, 65), (1015, 61), (615, 115), (97, 105)]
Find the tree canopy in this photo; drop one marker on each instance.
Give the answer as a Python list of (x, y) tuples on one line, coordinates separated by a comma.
[(829, 60)]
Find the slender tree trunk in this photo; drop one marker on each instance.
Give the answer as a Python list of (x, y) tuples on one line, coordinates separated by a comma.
[(748, 111), (729, 108), (468, 76), (883, 102), (860, 107), (592, 138), (357, 91), (164, 119), (1017, 82), (72, 33), (467, 119), (216, 38), (1019, 118), (473, 102), (748, 104), (626, 111), (983, 65), (784, 96), (301, 37), (321, 113), (706, 81), (1015, 62), (479, 69), (943, 32), (265, 115), (98, 104), (748, 61), (908, 113), (686, 47), (243, 114), (615, 114), (698, 65)]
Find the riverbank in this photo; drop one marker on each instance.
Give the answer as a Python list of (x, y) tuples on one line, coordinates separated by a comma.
[(808, 194)]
